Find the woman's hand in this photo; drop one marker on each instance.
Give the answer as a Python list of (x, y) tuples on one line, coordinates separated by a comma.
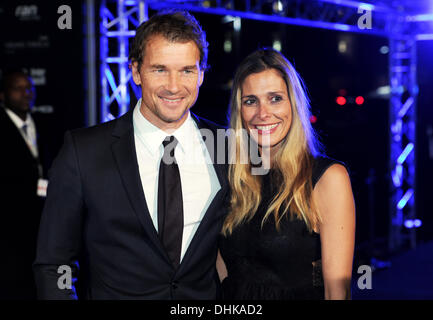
[(221, 267)]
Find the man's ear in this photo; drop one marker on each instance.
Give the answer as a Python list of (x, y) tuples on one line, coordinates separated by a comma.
[(135, 73), (201, 75)]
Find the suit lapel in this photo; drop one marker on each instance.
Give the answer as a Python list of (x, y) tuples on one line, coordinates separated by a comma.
[(125, 155), (208, 219), (212, 146)]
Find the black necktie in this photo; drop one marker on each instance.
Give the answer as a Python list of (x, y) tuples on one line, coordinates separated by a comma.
[(170, 204)]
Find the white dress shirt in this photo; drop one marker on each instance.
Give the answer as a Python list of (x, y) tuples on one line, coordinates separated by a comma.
[(197, 174), (29, 135)]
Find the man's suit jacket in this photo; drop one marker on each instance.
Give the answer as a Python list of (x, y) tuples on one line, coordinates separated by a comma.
[(96, 213), (20, 212)]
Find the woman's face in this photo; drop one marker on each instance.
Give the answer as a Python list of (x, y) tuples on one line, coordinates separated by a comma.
[(265, 108)]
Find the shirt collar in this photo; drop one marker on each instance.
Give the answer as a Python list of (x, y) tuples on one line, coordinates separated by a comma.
[(17, 120), (152, 136)]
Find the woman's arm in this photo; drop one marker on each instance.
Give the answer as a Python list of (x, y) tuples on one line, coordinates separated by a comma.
[(334, 199), (221, 267)]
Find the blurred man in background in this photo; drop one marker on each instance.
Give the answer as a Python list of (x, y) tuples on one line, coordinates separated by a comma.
[(20, 173)]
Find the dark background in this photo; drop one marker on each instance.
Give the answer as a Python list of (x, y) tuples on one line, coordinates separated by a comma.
[(53, 57), (357, 135)]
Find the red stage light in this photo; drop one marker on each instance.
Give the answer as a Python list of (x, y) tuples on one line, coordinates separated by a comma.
[(313, 119), (342, 92), (341, 100), (359, 100)]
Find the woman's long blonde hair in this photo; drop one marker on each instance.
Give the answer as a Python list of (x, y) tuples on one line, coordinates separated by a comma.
[(293, 161)]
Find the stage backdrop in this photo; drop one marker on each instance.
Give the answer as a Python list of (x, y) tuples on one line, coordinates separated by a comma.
[(332, 64), (31, 39)]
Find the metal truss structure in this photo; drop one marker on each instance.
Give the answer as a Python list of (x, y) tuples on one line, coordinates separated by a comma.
[(118, 21), (402, 140), (120, 18)]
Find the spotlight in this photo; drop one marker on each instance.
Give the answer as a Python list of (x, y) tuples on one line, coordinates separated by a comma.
[(278, 6), (228, 46), (276, 45), (342, 46), (359, 100), (341, 100), (313, 119), (409, 224), (384, 49), (237, 24)]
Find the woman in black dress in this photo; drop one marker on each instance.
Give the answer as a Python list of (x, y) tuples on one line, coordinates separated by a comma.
[(290, 232)]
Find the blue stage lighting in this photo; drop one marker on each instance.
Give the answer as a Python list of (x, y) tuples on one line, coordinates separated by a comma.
[(405, 153), (403, 201), (408, 224), (417, 223)]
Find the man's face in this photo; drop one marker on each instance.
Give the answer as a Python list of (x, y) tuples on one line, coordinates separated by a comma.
[(19, 95), (170, 78)]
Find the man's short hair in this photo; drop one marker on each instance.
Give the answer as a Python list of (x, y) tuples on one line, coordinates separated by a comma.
[(175, 26)]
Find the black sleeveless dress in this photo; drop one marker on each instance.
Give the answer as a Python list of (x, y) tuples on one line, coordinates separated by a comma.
[(266, 264)]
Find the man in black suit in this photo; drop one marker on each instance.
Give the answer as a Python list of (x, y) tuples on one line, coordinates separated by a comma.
[(136, 201), (20, 171)]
